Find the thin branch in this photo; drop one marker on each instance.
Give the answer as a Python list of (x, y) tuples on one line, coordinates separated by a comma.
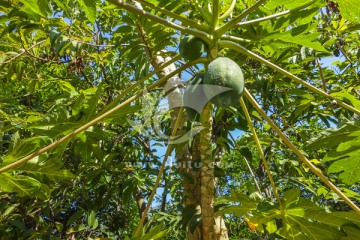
[(94, 44), (343, 52), (233, 38), (86, 77), (23, 52), (237, 47), (321, 75), (98, 119), (184, 20), (242, 24), (203, 35), (144, 40), (139, 201), (220, 31), (256, 139), (33, 56), (299, 154), (248, 166), (161, 170)]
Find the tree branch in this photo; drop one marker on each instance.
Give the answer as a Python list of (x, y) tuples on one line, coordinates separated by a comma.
[(185, 21), (203, 35), (321, 75), (316, 171), (23, 52), (246, 23), (258, 145)]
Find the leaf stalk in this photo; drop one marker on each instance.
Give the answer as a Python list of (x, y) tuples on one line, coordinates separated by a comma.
[(257, 142), (203, 35), (316, 171), (237, 47)]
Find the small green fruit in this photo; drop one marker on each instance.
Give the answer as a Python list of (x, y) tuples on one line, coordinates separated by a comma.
[(224, 82), (191, 47)]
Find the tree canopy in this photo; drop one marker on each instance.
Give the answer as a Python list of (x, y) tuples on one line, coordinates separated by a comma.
[(95, 142)]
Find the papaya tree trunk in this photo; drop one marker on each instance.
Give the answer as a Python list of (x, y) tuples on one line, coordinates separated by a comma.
[(207, 174), (212, 225)]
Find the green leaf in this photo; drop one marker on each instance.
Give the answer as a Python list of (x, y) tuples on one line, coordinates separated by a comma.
[(37, 6), (316, 231), (23, 186), (286, 3), (351, 233), (347, 152), (50, 169), (120, 117), (19, 224), (61, 4), (188, 213), (78, 228), (349, 9), (303, 219), (89, 7), (27, 147), (344, 95), (334, 219), (290, 196), (92, 104), (155, 233), (308, 40), (92, 220), (331, 137), (349, 164)]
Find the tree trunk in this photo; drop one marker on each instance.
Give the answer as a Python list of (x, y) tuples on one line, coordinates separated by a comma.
[(207, 174)]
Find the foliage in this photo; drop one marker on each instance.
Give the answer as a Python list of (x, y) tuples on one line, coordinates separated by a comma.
[(63, 63)]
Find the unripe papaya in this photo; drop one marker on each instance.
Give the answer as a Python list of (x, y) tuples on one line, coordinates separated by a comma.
[(224, 82), (192, 47)]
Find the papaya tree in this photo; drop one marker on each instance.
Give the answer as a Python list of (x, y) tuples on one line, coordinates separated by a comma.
[(261, 116)]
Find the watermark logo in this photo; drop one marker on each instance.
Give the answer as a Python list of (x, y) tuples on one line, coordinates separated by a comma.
[(155, 111)]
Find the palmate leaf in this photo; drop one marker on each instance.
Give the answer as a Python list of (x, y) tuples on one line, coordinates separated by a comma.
[(51, 169), (37, 6), (23, 186), (349, 9), (301, 36), (331, 137), (345, 145), (54, 124), (303, 219), (26, 147), (300, 228), (347, 155)]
